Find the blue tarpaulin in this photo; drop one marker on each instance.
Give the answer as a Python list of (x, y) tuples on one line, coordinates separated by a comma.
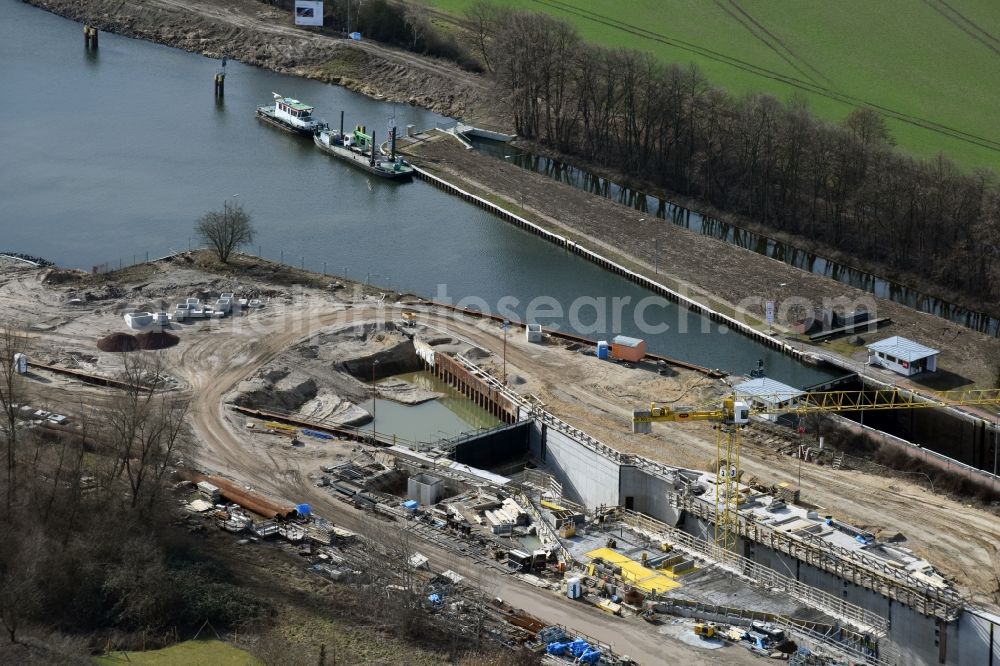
[(317, 434), (411, 505), (303, 509), (579, 649)]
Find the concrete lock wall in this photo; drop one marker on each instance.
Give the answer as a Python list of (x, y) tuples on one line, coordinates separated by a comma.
[(494, 448), (916, 637), (977, 638), (648, 494), (586, 476), (593, 479)]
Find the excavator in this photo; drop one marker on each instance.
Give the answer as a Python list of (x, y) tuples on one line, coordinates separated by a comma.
[(734, 413)]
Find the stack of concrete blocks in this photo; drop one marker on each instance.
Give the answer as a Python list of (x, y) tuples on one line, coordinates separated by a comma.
[(138, 321), (504, 519)]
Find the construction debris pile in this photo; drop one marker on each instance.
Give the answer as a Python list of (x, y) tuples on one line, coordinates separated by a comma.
[(344, 557)]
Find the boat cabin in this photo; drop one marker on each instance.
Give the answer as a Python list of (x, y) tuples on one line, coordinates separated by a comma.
[(293, 108)]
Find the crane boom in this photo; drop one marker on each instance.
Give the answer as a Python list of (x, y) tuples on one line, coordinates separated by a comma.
[(734, 412), (880, 399), (819, 401)]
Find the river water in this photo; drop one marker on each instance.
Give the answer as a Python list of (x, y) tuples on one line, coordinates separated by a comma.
[(112, 155), (744, 238)]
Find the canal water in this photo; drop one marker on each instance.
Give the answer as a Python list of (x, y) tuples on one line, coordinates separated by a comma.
[(744, 238), (429, 421), (111, 155)]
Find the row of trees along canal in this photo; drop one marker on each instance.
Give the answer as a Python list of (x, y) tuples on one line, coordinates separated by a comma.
[(843, 186)]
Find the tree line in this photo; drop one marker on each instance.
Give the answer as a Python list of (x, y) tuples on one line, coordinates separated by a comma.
[(844, 186)]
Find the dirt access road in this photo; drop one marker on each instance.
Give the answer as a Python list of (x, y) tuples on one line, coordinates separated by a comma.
[(961, 539), (259, 34), (211, 359), (211, 374)]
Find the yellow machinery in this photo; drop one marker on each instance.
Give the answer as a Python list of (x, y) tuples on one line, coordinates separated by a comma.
[(704, 631), (733, 414)]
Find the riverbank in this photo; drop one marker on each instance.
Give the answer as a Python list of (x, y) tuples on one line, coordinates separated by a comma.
[(213, 358), (725, 278), (792, 242), (258, 34), (261, 35)]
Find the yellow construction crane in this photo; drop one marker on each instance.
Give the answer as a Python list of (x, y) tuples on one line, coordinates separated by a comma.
[(734, 412)]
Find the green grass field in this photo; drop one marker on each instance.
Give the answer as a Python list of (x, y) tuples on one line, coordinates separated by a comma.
[(931, 66), (188, 653)]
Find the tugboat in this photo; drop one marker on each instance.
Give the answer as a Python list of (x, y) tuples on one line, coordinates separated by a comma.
[(359, 148), (290, 115)]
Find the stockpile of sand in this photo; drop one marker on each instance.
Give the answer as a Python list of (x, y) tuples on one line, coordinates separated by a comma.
[(118, 342), (125, 342)]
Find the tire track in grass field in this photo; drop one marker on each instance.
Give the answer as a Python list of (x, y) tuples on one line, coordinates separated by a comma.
[(757, 70), (965, 24), (780, 42), (762, 38)]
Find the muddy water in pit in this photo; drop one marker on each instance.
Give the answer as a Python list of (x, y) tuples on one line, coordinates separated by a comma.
[(110, 155), (432, 420)]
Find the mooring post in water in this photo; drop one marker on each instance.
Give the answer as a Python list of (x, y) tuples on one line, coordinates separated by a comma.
[(220, 80), (89, 37), (392, 144), (341, 124), (373, 149)]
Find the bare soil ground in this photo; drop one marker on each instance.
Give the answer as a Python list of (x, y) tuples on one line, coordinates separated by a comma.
[(728, 279), (212, 359)]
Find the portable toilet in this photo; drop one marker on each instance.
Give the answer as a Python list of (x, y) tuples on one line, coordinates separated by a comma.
[(602, 350), (624, 348), (21, 364)]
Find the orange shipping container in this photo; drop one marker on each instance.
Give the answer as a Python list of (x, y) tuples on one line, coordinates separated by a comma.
[(624, 348)]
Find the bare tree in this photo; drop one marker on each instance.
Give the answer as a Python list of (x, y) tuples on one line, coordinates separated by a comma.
[(145, 429), (225, 230), (483, 18), (415, 17), (12, 343), (20, 581)]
